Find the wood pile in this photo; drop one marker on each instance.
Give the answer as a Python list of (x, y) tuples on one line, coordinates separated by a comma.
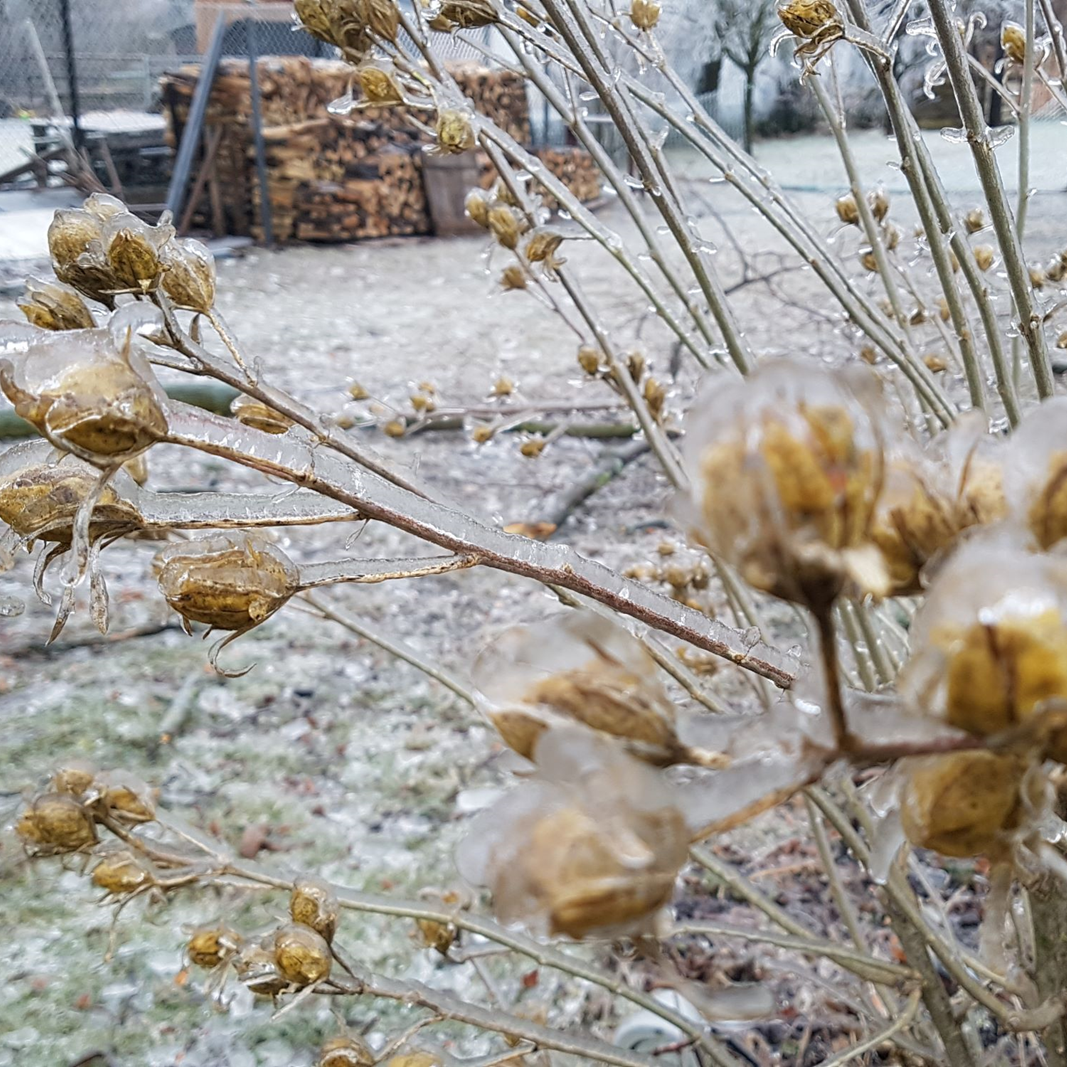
[(339, 178)]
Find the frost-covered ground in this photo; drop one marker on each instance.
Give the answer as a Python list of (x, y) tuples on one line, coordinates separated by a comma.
[(338, 757)]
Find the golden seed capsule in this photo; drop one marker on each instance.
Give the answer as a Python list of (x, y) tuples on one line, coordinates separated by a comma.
[(482, 433), (135, 251), (635, 365), (189, 274), (879, 202), (892, 235), (542, 246), (455, 133), (121, 872), (210, 946), (943, 310), (917, 317), (655, 394), (124, 797), (869, 261), (423, 405), (644, 14), (54, 306), (56, 822), (1061, 341), (506, 225), (314, 904), (468, 14), (964, 804), (846, 209), (75, 243), (395, 428), (381, 17), (301, 955), (440, 936), (1037, 277), (869, 354), (589, 359), (315, 18), (227, 582), (533, 447), (1013, 41), (379, 87), (806, 18), (935, 362), (73, 776), (984, 255), (503, 387), (477, 207), (974, 220), (249, 411), (512, 278), (357, 392), (256, 967), (346, 1050)]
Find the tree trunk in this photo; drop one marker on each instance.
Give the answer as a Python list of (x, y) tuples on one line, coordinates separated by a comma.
[(750, 86)]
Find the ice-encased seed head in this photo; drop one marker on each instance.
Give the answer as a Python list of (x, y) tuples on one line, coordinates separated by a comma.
[(189, 277), (301, 956), (252, 412), (345, 1050), (120, 872), (455, 132), (644, 14), (212, 945), (55, 306), (313, 903), (806, 18), (55, 823)]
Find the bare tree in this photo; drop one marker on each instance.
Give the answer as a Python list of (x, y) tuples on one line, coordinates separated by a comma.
[(745, 29)]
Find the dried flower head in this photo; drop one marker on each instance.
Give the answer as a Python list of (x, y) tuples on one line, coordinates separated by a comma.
[(869, 260), (379, 87), (991, 655), (301, 956), (1036, 473), (315, 17), (228, 582), (809, 18), (135, 251), (1013, 41), (121, 871), (455, 131), (477, 207), (123, 796), (76, 245), (541, 247), (506, 225), (786, 469), (40, 500), (87, 393), (314, 904), (346, 1050), (381, 17), (512, 277), (644, 14), (212, 945), (74, 776), (846, 209), (879, 201), (435, 935), (54, 306), (189, 274), (589, 359), (468, 14), (593, 845), (358, 392), (984, 255), (54, 823), (974, 220), (249, 411), (578, 668), (966, 803), (915, 518)]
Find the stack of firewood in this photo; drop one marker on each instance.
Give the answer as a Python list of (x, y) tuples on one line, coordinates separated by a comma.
[(334, 178)]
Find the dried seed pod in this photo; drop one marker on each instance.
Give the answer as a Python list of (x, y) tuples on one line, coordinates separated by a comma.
[(869, 260), (635, 365), (644, 14), (992, 655), (846, 209), (965, 804), (256, 967), (76, 245), (541, 247), (503, 387), (786, 468), (346, 1050), (879, 202), (439, 936), (917, 317), (984, 255), (301, 956), (381, 17), (56, 822), (915, 518), (532, 447), (314, 16), (40, 500), (1036, 473), (314, 904), (212, 945), (575, 669), (1013, 41), (506, 225), (357, 392), (123, 796), (73, 776), (943, 310), (468, 14), (593, 845), (809, 18), (974, 220), (135, 251), (935, 362), (513, 277), (1061, 341), (249, 411), (1037, 277), (477, 206), (395, 428), (54, 306), (104, 206), (87, 394), (869, 355), (892, 236), (229, 582), (589, 359), (455, 131), (655, 394), (189, 274), (379, 87), (120, 872)]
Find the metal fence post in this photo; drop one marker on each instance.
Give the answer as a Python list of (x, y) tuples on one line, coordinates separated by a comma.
[(72, 75)]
